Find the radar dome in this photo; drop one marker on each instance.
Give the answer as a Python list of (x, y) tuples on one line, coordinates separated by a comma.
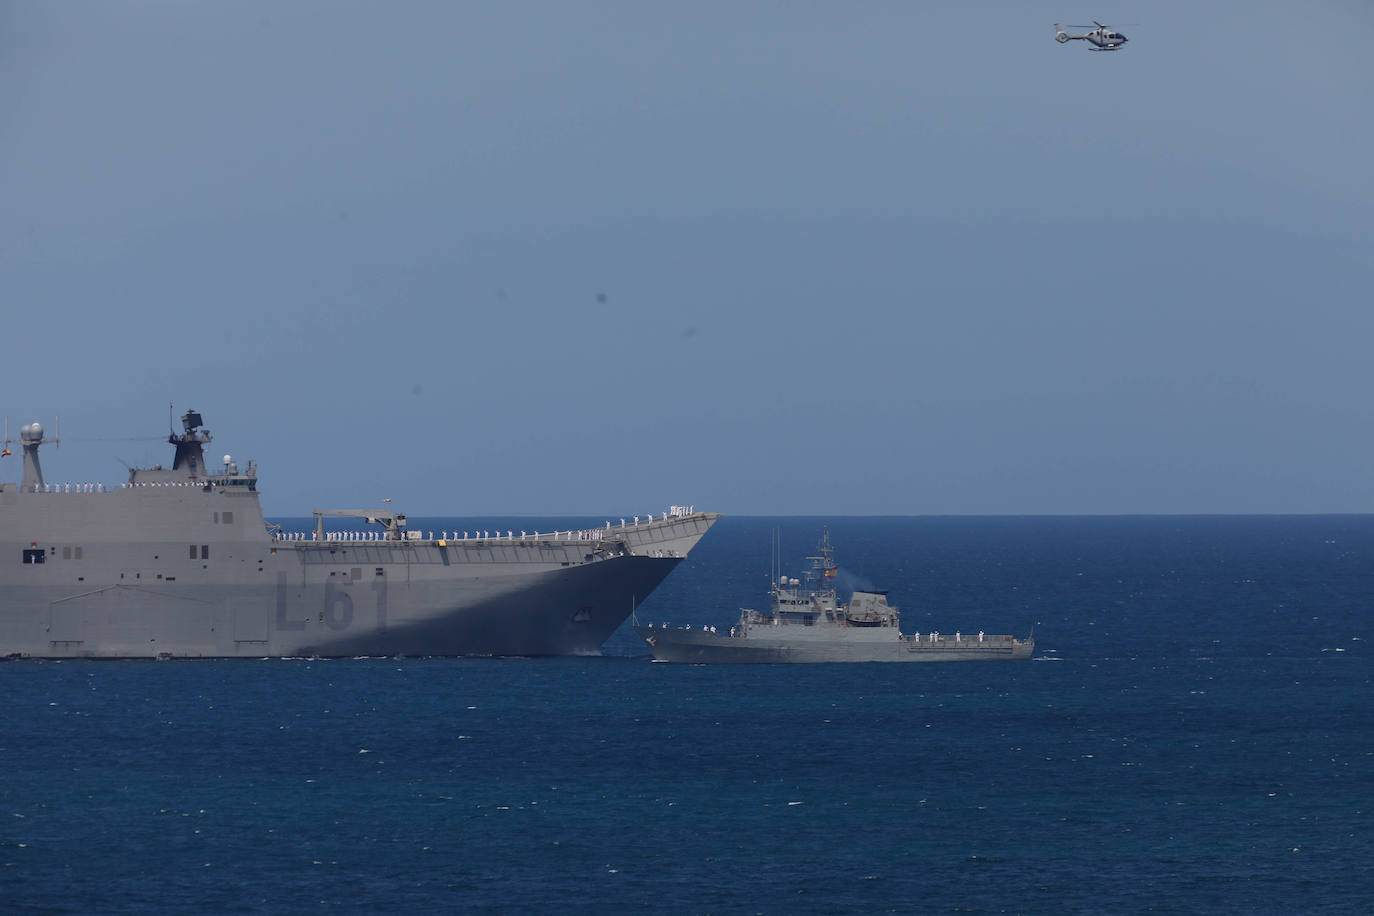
[(31, 433), (228, 459)]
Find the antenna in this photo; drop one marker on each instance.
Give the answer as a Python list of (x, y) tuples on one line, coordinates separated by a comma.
[(55, 440), (774, 561)]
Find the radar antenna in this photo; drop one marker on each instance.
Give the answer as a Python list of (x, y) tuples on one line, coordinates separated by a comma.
[(31, 436)]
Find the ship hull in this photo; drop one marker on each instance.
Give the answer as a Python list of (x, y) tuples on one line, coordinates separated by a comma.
[(191, 571), (824, 644), (563, 612)]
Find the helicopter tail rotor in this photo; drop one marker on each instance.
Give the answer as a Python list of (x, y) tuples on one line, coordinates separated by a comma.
[(1059, 34)]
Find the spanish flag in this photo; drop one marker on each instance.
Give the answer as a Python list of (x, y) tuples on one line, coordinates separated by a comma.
[(4, 453), (830, 573)]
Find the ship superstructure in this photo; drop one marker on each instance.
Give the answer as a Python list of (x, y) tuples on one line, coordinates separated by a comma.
[(179, 562)]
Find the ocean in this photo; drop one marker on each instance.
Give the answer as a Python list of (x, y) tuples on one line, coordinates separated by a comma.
[(1194, 735)]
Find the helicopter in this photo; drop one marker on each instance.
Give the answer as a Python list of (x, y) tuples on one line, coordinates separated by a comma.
[(1103, 38)]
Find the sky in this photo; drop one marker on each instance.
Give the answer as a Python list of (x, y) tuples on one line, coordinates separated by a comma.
[(596, 258)]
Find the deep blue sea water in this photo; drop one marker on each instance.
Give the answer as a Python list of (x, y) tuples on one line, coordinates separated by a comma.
[(1195, 735)]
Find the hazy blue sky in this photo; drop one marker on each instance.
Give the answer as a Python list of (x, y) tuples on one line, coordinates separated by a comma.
[(796, 258)]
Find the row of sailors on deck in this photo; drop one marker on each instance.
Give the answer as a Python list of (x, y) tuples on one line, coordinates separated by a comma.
[(101, 488), (70, 488), (935, 636), (592, 535), (689, 626), (673, 512), (378, 536)]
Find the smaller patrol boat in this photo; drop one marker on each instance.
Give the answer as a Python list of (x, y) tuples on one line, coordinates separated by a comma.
[(807, 623)]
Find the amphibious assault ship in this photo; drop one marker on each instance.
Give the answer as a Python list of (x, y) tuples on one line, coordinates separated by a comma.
[(808, 624), (179, 562)]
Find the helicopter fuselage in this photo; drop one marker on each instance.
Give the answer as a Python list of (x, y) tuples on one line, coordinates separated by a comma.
[(1106, 40), (1101, 38)]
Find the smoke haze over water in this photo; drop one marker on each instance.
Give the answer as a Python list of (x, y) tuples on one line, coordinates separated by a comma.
[(848, 582)]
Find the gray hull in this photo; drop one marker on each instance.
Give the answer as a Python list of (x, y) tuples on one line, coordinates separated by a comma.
[(175, 564), (825, 644)]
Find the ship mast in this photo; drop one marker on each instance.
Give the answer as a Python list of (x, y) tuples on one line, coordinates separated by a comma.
[(822, 570), (823, 567), (30, 436), (190, 445)]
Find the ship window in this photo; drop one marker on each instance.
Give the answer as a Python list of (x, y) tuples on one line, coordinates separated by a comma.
[(216, 518), (205, 551), (66, 553), (379, 570), (76, 552), (356, 573), (35, 555), (228, 518), (193, 551)]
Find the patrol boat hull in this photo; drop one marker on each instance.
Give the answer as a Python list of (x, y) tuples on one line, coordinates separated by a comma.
[(702, 647), (180, 563)]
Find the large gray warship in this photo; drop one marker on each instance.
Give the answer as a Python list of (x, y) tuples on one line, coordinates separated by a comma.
[(807, 623), (179, 562)]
